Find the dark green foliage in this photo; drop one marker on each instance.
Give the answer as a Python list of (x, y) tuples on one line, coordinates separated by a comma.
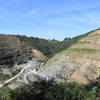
[(94, 88), (42, 45), (49, 47), (3, 77), (44, 90), (36, 91), (5, 93)]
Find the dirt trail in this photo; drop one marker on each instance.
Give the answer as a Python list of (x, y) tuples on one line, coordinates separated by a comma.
[(29, 68)]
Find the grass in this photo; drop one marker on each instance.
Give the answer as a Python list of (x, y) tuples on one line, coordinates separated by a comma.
[(3, 77), (83, 50), (3, 66), (83, 42), (5, 93)]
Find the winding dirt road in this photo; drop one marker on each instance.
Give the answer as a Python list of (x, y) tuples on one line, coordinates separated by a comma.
[(27, 69)]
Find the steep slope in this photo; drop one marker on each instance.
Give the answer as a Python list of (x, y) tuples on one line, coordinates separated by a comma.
[(38, 54), (12, 50), (43, 45), (80, 62), (48, 47)]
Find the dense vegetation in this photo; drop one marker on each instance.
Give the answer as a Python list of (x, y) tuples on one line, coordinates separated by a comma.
[(3, 77), (51, 90), (42, 45), (49, 47)]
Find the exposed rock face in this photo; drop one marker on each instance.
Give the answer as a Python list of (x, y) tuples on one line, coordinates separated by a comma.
[(82, 60), (27, 74), (38, 54), (12, 50)]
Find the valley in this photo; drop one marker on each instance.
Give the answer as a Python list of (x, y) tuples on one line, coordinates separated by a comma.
[(26, 60)]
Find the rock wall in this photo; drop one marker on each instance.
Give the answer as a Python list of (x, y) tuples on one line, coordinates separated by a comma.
[(12, 50)]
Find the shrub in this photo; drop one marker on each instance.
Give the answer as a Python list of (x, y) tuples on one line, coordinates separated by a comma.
[(44, 90)]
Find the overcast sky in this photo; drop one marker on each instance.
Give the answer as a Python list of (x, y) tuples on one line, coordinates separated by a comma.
[(49, 18)]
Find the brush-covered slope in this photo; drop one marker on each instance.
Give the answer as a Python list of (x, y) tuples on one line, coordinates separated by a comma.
[(48, 47), (45, 46), (12, 50), (80, 62)]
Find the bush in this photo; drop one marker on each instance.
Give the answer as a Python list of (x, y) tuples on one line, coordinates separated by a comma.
[(5, 93), (44, 90)]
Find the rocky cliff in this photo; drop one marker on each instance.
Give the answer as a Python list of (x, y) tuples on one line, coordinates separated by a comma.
[(12, 50), (38, 54)]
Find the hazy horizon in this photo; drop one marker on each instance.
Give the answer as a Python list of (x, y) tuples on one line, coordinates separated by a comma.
[(47, 37)]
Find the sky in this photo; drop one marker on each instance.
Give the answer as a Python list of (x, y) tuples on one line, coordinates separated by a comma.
[(49, 19)]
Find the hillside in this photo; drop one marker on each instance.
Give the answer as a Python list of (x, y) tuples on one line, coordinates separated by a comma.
[(79, 62), (47, 47), (43, 45), (15, 49), (12, 50), (77, 59)]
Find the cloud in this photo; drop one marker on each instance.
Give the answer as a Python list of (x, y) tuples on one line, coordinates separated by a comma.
[(32, 12)]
